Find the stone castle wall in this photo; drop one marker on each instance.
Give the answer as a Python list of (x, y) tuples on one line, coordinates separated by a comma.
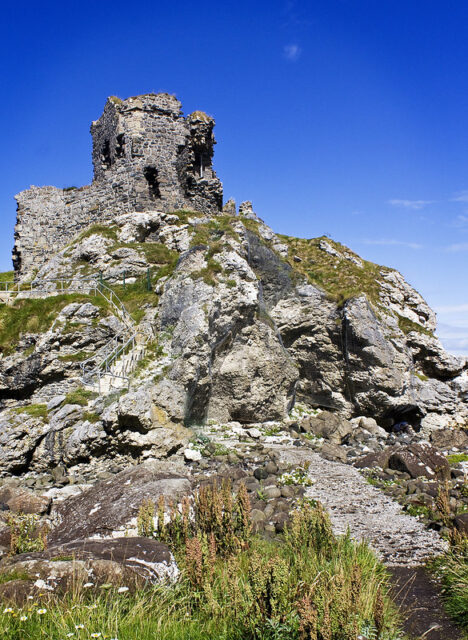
[(146, 156)]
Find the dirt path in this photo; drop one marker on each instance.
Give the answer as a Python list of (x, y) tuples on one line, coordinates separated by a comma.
[(399, 539)]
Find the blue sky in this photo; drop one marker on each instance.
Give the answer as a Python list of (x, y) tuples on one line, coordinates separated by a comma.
[(344, 117)]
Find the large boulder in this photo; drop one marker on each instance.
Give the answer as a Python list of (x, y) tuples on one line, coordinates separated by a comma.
[(20, 500), (109, 508), (461, 523), (448, 438), (253, 381), (129, 561), (431, 356), (330, 426), (420, 460)]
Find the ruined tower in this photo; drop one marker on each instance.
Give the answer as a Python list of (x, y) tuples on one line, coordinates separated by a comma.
[(146, 156)]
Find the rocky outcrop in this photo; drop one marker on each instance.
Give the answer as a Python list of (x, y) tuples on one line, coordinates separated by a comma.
[(127, 563), (109, 509), (241, 336), (241, 324)]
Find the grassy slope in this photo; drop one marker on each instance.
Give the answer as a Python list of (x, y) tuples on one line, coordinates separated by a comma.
[(341, 279), (37, 316)]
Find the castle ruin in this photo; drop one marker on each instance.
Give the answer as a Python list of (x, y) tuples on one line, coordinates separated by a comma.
[(146, 156)]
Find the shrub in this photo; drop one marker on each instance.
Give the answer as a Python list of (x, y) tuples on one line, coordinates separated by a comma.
[(26, 534)]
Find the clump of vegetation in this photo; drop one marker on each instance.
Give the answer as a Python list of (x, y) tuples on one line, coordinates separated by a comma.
[(200, 115), (452, 569), (217, 513), (79, 356), (421, 376), (135, 296), (153, 350), (80, 396), (298, 476), (406, 325), (456, 458), (91, 417), (34, 410), (158, 253), (106, 231), (340, 278), (216, 449), (26, 534), (14, 575)]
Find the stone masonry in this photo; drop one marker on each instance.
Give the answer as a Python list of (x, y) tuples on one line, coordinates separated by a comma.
[(146, 156)]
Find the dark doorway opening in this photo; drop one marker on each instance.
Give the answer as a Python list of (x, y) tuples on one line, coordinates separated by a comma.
[(395, 418)]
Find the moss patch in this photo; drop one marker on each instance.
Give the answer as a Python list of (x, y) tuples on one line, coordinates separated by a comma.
[(14, 575), (457, 457), (34, 410), (407, 326)]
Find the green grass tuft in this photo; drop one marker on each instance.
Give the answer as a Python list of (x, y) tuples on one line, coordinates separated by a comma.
[(452, 569), (80, 396), (14, 575), (34, 410), (107, 231), (407, 326)]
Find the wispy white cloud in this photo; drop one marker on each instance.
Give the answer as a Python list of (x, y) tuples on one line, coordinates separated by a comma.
[(461, 221), (454, 308), (292, 52), (410, 204), (460, 196), (454, 338), (395, 243), (457, 247)]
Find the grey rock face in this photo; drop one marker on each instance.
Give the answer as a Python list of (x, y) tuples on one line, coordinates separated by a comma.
[(328, 425)]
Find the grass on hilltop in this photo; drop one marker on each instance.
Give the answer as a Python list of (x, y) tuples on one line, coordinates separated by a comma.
[(340, 278)]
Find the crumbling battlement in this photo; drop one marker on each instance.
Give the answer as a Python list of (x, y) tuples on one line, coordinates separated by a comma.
[(146, 156)]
